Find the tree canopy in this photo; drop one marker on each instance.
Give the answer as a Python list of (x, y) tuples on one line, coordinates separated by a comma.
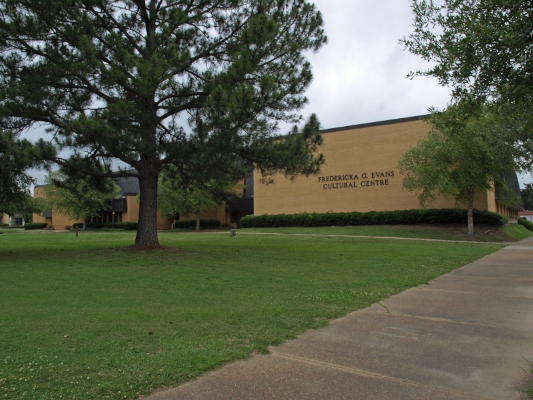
[(527, 196), (175, 198), (16, 156), (482, 47), (198, 84), (78, 197), (470, 147)]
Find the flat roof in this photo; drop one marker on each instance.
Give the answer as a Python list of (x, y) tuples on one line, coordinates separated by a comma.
[(371, 124)]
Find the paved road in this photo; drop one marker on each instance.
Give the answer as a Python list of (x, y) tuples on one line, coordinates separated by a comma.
[(466, 335)]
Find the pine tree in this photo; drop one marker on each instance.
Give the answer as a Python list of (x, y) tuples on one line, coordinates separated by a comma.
[(198, 84)]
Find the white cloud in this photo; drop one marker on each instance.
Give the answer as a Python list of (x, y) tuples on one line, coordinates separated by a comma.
[(360, 75)]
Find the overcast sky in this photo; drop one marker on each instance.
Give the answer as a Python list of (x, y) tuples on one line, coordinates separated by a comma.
[(360, 75)]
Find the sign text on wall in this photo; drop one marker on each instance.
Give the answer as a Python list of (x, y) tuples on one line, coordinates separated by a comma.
[(352, 180)]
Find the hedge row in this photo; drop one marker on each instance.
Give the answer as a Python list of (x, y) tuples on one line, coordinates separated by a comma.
[(527, 224), (127, 226), (191, 224), (401, 217), (35, 225)]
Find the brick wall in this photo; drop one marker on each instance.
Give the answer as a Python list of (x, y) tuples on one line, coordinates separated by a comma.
[(360, 174)]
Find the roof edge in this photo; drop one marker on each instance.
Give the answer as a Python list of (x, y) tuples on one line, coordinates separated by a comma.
[(371, 124)]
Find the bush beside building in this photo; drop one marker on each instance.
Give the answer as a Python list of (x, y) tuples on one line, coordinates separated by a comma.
[(401, 217)]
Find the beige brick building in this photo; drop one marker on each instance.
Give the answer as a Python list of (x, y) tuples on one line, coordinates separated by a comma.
[(360, 174), (12, 220), (124, 209)]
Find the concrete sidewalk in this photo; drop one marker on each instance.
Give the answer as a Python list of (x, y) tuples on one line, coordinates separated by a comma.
[(466, 335)]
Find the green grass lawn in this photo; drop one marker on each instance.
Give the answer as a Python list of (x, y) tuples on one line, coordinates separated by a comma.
[(483, 233), (87, 318)]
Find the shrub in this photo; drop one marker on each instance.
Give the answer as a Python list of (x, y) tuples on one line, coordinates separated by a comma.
[(191, 224), (525, 223), (400, 217), (127, 226), (4, 225), (35, 225)]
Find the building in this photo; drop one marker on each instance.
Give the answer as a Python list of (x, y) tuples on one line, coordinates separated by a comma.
[(12, 220), (360, 174), (527, 215), (124, 209), (230, 214)]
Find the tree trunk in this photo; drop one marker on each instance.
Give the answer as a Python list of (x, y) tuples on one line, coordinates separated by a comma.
[(147, 228), (84, 223), (471, 211), (197, 221)]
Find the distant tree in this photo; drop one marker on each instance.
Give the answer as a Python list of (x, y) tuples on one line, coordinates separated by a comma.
[(199, 84), (527, 196), (16, 156), (465, 151), (26, 205), (31, 206), (175, 198), (193, 201), (480, 47), (78, 197)]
